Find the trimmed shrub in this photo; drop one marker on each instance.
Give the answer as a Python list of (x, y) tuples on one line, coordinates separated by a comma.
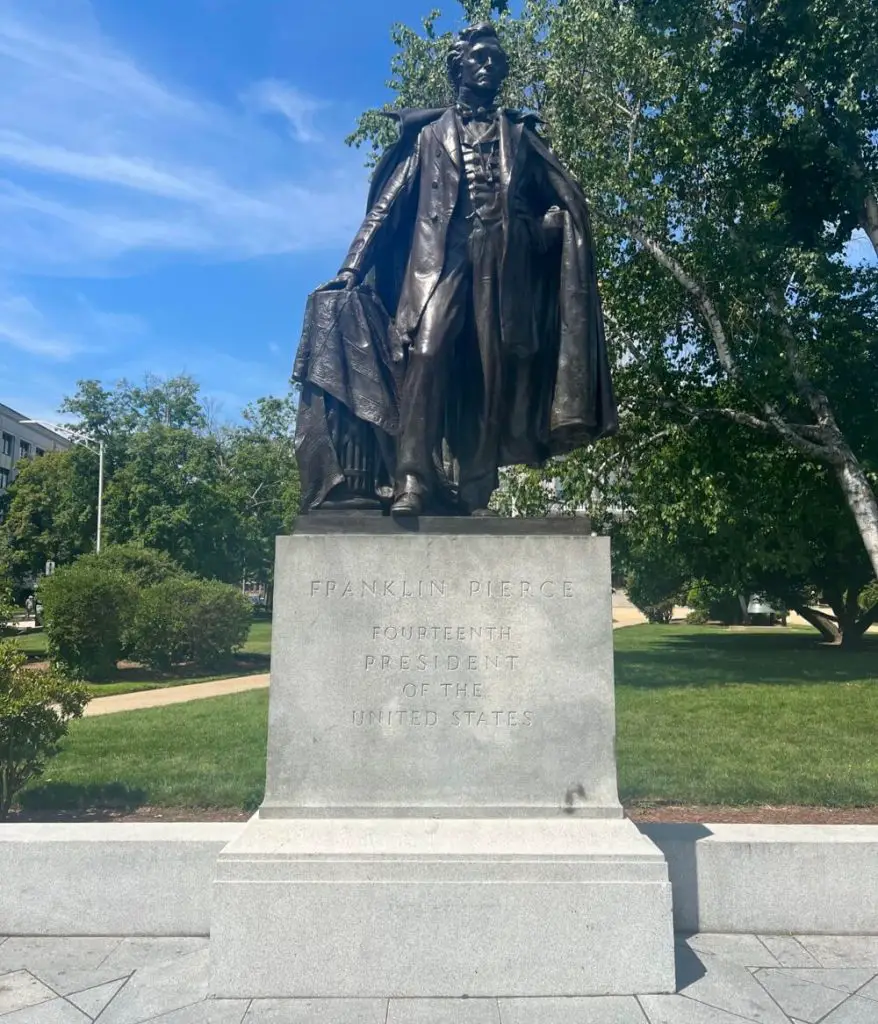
[(711, 603), (86, 609), (35, 713), (146, 566), (187, 620), (220, 623)]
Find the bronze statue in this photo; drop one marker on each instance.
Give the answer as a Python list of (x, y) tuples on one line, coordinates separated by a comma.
[(464, 330)]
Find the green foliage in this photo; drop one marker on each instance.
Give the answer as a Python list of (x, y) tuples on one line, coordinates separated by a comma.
[(7, 607), (145, 566), (211, 498), (869, 596), (171, 494), (264, 481), (35, 711), (655, 595), (709, 603), (125, 409), (183, 620), (87, 608), (52, 511)]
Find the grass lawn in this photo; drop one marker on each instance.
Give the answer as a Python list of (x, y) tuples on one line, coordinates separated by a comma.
[(251, 660), (704, 716), (208, 753), (33, 643), (711, 716)]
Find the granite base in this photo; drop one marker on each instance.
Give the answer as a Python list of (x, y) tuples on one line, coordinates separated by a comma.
[(441, 908)]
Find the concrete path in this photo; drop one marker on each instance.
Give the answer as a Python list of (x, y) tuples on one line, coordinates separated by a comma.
[(721, 979), (174, 695)]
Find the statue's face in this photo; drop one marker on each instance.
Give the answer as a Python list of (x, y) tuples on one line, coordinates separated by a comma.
[(484, 67)]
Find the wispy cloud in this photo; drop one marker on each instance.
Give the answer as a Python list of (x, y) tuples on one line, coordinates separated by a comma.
[(35, 329), (296, 107), (26, 328), (102, 162)]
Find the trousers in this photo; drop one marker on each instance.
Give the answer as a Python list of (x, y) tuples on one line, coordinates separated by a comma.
[(453, 381)]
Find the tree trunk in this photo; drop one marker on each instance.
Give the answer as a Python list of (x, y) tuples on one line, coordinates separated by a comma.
[(828, 628), (867, 619), (870, 220), (861, 500)]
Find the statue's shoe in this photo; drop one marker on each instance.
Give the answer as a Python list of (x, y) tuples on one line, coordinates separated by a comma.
[(409, 503)]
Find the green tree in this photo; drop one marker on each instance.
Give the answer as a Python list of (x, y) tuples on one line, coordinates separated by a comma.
[(51, 512), (264, 480), (172, 494), (127, 408)]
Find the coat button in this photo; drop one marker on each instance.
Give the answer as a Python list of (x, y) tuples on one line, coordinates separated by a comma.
[(435, 184)]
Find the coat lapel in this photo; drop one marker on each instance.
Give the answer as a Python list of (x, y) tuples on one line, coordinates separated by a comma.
[(445, 130), (510, 148)]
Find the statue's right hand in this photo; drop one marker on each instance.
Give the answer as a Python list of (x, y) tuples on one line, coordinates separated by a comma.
[(347, 280)]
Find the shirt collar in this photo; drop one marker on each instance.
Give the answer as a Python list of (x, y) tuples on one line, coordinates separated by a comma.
[(467, 113)]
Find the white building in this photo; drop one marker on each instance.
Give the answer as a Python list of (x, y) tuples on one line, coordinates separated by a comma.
[(23, 441)]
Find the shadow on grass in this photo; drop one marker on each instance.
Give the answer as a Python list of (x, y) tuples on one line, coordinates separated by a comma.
[(84, 802), (245, 664), (658, 659)]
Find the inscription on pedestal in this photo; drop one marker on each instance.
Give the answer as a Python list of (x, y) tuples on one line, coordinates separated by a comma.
[(393, 649), (443, 671)]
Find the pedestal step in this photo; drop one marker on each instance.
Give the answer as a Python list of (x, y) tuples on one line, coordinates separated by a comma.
[(444, 907)]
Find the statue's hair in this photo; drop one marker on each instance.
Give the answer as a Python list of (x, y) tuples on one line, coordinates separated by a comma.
[(466, 38)]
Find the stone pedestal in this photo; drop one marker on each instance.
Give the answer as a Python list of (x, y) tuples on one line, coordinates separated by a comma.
[(441, 815)]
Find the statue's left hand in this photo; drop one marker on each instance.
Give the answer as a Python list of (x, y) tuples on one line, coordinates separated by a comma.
[(346, 281), (553, 227)]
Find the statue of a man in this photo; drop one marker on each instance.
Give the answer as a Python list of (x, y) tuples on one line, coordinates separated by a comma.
[(477, 246)]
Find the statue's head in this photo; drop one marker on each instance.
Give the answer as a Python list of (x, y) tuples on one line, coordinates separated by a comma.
[(477, 61)]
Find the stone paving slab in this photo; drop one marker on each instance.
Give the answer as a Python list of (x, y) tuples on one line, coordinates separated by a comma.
[(56, 1011), (443, 1011), (65, 964), (317, 1011), (597, 1010), (788, 951), (722, 979), (20, 989), (803, 1000)]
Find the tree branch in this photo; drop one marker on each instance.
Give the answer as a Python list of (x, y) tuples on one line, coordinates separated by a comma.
[(698, 293), (824, 624), (632, 135), (870, 219), (868, 618)]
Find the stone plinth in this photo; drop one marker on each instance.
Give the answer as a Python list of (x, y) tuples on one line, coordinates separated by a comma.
[(441, 814)]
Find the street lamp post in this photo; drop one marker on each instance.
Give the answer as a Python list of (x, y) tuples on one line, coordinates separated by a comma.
[(87, 440)]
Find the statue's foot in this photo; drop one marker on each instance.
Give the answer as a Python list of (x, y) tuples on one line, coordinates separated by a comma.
[(410, 498), (484, 513), (407, 504)]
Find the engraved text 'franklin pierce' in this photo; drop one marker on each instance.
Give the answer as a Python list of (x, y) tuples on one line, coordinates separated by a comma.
[(499, 589)]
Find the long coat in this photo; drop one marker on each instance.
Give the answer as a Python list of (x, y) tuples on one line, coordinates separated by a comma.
[(551, 320)]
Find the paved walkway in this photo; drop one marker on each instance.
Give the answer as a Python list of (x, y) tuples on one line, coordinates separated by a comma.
[(174, 695), (723, 979)]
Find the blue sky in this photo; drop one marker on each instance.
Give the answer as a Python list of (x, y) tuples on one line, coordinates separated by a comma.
[(174, 181)]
